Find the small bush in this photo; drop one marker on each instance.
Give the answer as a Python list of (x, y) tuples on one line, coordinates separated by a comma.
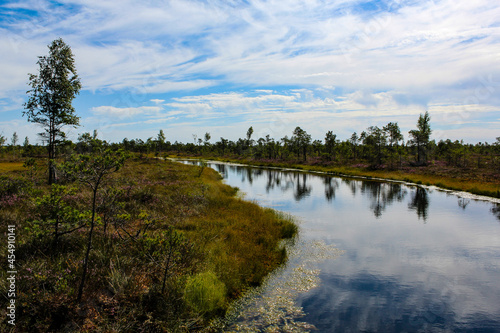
[(204, 292)]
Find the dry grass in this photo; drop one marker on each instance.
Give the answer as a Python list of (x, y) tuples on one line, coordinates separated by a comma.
[(11, 166)]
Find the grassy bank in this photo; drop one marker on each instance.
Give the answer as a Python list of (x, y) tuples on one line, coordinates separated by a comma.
[(173, 246), (453, 178)]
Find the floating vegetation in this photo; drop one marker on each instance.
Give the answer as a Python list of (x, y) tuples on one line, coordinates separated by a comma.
[(272, 307)]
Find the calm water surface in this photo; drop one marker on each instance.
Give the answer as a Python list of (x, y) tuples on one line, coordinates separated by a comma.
[(413, 259)]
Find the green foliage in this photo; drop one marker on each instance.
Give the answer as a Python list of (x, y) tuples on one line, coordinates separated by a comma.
[(91, 169), (10, 186), (32, 166), (51, 94), (55, 211), (301, 140), (421, 136), (204, 292)]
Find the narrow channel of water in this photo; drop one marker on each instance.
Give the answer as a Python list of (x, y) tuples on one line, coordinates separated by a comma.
[(374, 257)]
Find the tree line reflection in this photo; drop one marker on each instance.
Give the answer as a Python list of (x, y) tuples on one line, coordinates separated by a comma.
[(380, 194)]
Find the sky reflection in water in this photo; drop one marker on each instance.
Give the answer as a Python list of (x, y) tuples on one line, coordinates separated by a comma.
[(414, 259)]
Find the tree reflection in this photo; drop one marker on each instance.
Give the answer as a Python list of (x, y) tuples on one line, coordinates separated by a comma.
[(495, 210), (463, 203), (279, 179), (382, 195), (302, 190), (251, 173), (420, 203), (221, 168), (353, 185), (331, 185)]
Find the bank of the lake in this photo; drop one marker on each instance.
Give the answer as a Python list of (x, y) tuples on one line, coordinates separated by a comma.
[(434, 174), (173, 247)]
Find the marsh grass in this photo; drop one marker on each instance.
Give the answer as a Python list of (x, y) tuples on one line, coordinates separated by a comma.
[(138, 279)]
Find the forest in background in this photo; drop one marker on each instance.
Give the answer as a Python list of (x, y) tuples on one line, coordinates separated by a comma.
[(376, 151)]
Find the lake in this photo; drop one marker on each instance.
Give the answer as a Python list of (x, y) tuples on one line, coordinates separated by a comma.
[(374, 256)]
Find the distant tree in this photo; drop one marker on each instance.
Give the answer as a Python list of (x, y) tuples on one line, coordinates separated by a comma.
[(285, 147), (50, 97), (354, 144), (207, 138), (26, 147), (2, 140), (394, 136), (375, 140), (161, 137), (15, 139), (223, 143), (302, 140), (270, 147), (158, 143), (317, 146), (249, 136), (13, 143), (420, 137), (330, 141)]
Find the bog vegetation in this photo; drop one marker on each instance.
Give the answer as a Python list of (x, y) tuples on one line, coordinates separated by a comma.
[(122, 243)]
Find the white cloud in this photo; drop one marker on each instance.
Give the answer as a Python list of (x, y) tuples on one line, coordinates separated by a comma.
[(157, 101), (397, 63), (168, 46), (114, 112)]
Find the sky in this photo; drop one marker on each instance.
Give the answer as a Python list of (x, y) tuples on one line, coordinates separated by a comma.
[(191, 67)]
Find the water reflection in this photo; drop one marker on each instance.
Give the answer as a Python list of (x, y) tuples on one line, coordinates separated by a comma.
[(331, 184), (420, 203), (463, 203), (221, 168), (382, 194), (496, 210), (302, 190), (396, 275)]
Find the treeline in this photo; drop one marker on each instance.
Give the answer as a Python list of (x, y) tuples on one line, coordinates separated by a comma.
[(376, 147)]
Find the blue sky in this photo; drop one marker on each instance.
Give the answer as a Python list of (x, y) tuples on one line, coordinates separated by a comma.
[(190, 67)]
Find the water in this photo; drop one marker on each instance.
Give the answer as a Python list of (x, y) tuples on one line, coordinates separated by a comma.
[(374, 257)]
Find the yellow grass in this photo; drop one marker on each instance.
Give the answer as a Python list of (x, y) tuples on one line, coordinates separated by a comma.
[(11, 166)]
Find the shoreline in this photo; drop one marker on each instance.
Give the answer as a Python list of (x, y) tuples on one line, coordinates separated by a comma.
[(403, 178)]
